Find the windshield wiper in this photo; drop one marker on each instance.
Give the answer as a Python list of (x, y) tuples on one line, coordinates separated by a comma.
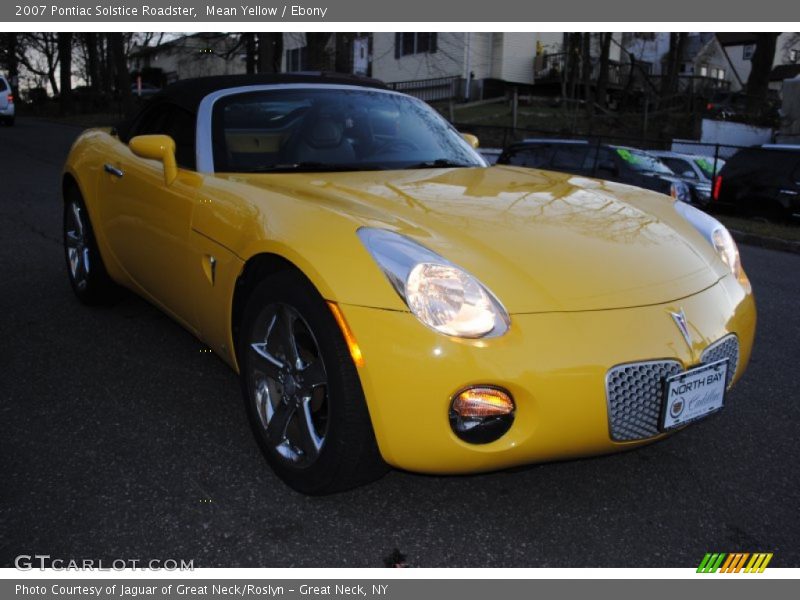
[(439, 163)]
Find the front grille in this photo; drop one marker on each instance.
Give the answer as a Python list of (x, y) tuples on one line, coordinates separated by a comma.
[(727, 347), (635, 391)]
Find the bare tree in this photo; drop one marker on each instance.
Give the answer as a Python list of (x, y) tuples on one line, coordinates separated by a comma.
[(8, 58), (92, 63), (65, 70), (249, 40), (317, 51), (758, 81), (669, 83), (38, 54), (270, 52), (602, 76), (117, 44)]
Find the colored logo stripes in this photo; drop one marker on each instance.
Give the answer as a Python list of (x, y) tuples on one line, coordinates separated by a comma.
[(735, 562)]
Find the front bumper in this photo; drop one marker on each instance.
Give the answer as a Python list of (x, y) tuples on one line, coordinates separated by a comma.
[(554, 364)]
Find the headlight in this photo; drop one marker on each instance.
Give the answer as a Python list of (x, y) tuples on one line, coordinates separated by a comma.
[(716, 234), (727, 249), (441, 295)]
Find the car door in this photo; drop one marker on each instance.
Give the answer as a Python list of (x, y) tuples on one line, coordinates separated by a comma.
[(148, 222)]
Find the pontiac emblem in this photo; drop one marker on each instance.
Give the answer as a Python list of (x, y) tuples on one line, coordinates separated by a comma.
[(680, 321)]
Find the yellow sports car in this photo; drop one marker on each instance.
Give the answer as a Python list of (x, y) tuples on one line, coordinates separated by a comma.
[(389, 299)]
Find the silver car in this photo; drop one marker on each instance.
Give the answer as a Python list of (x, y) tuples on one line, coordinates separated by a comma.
[(697, 169)]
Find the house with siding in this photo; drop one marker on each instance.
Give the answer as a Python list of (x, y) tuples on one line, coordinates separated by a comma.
[(439, 65)]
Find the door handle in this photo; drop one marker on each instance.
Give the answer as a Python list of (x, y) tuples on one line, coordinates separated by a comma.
[(111, 169)]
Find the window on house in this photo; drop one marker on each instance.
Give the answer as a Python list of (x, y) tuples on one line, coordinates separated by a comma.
[(721, 74), (703, 71), (747, 51), (794, 56), (296, 60), (414, 43)]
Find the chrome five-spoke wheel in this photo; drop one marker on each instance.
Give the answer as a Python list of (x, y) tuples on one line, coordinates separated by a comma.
[(290, 385), (87, 273), (78, 257), (301, 387)]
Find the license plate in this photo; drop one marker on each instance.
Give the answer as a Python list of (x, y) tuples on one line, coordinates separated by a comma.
[(693, 394)]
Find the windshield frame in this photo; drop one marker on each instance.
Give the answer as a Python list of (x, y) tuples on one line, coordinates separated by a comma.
[(204, 148)]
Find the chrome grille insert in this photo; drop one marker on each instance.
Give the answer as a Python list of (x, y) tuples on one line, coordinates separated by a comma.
[(635, 391), (726, 347)]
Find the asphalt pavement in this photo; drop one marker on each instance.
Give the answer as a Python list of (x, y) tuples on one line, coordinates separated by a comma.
[(120, 438)]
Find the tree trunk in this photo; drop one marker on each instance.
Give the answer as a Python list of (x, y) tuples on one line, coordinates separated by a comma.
[(65, 71), (343, 60), (10, 62), (669, 83), (758, 82), (106, 72), (123, 77), (92, 67), (250, 52), (586, 72), (317, 58), (270, 50), (602, 76)]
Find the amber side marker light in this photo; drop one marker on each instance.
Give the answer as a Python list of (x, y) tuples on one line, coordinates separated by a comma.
[(481, 414), (349, 338)]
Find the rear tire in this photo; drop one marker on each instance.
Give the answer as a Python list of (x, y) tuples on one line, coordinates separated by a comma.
[(302, 392), (87, 273)]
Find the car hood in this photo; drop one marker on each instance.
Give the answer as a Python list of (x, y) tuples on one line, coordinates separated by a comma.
[(541, 241)]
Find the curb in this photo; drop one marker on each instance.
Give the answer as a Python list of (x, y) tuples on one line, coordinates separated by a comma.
[(770, 243)]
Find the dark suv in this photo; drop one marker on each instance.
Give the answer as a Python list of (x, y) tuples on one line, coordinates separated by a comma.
[(763, 180), (612, 163)]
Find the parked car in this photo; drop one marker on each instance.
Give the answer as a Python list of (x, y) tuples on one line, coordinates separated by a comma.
[(763, 180), (613, 163), (7, 112), (490, 155), (386, 297), (695, 168)]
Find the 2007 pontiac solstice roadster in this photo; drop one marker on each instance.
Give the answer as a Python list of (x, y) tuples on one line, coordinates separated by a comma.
[(389, 299)]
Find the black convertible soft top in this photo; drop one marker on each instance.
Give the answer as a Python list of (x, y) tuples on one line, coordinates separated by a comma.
[(188, 93)]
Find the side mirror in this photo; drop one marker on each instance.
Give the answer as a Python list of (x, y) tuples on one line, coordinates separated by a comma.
[(157, 147), (472, 140)]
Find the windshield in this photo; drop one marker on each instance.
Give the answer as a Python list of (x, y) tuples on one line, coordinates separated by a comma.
[(641, 161), (333, 129)]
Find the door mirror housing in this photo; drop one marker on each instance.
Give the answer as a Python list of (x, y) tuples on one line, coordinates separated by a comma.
[(157, 147), (472, 140)]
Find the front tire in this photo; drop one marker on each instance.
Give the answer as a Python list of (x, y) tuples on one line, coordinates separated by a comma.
[(301, 390), (87, 273)]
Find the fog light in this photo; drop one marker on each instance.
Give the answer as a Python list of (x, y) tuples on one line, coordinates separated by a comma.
[(481, 414)]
